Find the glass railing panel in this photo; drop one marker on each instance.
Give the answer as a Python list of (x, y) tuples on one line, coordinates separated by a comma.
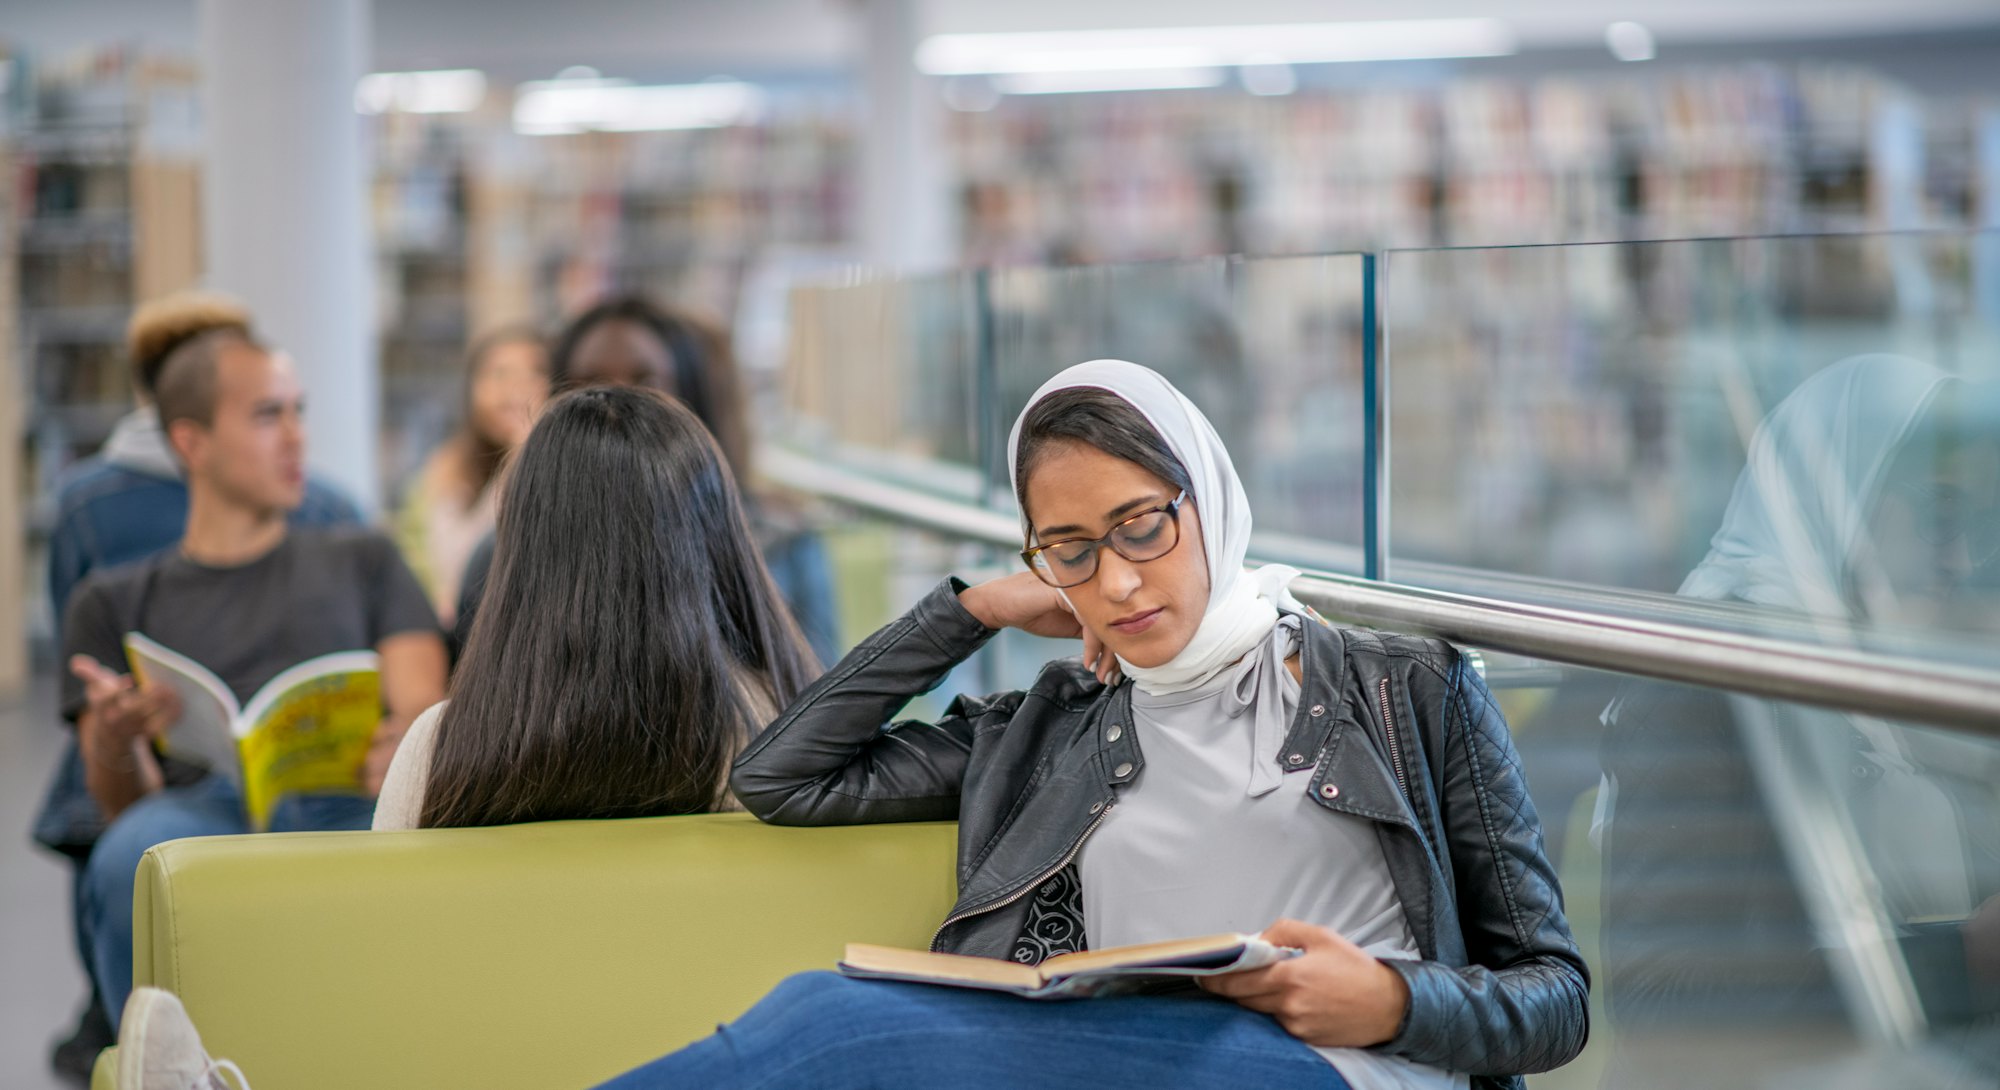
[(883, 567), (1269, 348), (1768, 894), (1799, 435), (881, 377)]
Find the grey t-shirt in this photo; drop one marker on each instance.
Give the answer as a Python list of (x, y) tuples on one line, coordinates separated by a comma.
[(1199, 844), (319, 591)]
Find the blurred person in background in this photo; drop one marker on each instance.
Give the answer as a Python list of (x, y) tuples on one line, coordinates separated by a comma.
[(125, 503), (449, 507), (630, 341), (621, 538), (246, 596)]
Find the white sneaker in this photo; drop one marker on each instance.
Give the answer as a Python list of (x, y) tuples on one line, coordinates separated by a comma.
[(158, 1048)]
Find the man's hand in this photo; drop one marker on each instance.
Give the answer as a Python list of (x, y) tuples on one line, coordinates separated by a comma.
[(1334, 995), (118, 712)]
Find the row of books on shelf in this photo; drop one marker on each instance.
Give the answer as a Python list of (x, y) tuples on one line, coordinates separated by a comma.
[(1739, 149)]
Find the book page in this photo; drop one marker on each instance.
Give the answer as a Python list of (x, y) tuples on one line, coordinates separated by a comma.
[(204, 734), (308, 730), (340, 662), (924, 965), (1218, 949), (1148, 973)]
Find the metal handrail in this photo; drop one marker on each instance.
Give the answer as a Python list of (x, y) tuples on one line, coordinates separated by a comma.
[(1871, 682)]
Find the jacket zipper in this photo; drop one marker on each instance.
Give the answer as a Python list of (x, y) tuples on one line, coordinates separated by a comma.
[(1033, 884), (1389, 728)]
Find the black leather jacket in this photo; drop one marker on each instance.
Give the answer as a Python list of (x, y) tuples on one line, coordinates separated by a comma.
[(1500, 990)]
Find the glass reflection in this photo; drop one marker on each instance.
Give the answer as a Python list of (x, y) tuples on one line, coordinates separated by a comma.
[(1827, 875)]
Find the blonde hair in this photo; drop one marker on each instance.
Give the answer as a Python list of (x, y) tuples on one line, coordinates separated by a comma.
[(161, 325)]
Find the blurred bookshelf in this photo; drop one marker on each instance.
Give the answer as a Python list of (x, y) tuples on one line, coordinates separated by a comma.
[(14, 488), (1738, 149), (478, 227), (419, 211), (100, 167)]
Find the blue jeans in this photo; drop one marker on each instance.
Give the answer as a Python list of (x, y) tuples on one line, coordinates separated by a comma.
[(829, 1032), (208, 808)]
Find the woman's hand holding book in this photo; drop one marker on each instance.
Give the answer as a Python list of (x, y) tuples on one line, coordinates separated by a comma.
[(1335, 995)]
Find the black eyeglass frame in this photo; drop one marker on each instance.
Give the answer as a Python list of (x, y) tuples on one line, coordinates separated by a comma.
[(1171, 508)]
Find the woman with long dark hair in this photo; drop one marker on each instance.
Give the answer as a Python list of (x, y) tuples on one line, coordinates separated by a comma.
[(631, 341), (633, 642)]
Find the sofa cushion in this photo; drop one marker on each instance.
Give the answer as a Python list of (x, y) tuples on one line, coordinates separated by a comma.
[(534, 956)]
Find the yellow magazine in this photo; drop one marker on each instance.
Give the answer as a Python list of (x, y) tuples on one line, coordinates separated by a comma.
[(306, 731)]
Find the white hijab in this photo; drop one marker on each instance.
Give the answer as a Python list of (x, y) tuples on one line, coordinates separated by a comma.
[(1242, 605)]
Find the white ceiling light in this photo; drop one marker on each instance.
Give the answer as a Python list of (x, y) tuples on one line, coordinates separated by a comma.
[(1159, 48), (1629, 41), (1129, 79), (558, 107), (444, 91)]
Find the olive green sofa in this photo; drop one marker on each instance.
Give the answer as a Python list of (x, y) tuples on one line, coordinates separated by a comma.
[(538, 957)]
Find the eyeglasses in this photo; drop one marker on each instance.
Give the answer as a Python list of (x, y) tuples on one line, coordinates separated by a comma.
[(1148, 535)]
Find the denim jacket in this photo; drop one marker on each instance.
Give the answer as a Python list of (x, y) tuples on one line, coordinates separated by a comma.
[(1393, 729)]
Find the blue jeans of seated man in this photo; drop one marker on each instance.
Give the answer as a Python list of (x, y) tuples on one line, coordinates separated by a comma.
[(208, 808), (829, 1032)]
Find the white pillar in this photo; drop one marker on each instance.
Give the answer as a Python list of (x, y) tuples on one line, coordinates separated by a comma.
[(906, 206), (284, 206)]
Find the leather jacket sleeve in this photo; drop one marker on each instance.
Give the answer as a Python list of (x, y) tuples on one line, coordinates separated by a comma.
[(1520, 1005), (829, 760)]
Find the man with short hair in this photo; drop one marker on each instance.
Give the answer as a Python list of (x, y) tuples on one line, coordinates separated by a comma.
[(122, 504), (246, 596)]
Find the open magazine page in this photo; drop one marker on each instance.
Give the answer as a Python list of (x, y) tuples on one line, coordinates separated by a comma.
[(204, 734), (307, 731)]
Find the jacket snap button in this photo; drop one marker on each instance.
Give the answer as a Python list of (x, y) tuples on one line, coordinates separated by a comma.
[(1297, 758), (1123, 770), (1319, 709), (1096, 806), (1329, 791), (1116, 732)]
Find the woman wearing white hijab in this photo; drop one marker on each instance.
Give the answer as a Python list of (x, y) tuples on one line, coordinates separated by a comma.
[(1220, 760)]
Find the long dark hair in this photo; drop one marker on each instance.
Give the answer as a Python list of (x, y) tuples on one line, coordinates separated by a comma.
[(1097, 418), (627, 608), (704, 368)]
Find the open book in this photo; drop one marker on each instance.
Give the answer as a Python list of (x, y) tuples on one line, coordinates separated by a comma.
[(306, 731), (1112, 971)]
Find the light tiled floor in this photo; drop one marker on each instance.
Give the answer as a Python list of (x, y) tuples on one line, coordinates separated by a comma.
[(41, 987)]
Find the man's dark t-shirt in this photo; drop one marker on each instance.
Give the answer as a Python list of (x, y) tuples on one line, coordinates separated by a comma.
[(318, 592)]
